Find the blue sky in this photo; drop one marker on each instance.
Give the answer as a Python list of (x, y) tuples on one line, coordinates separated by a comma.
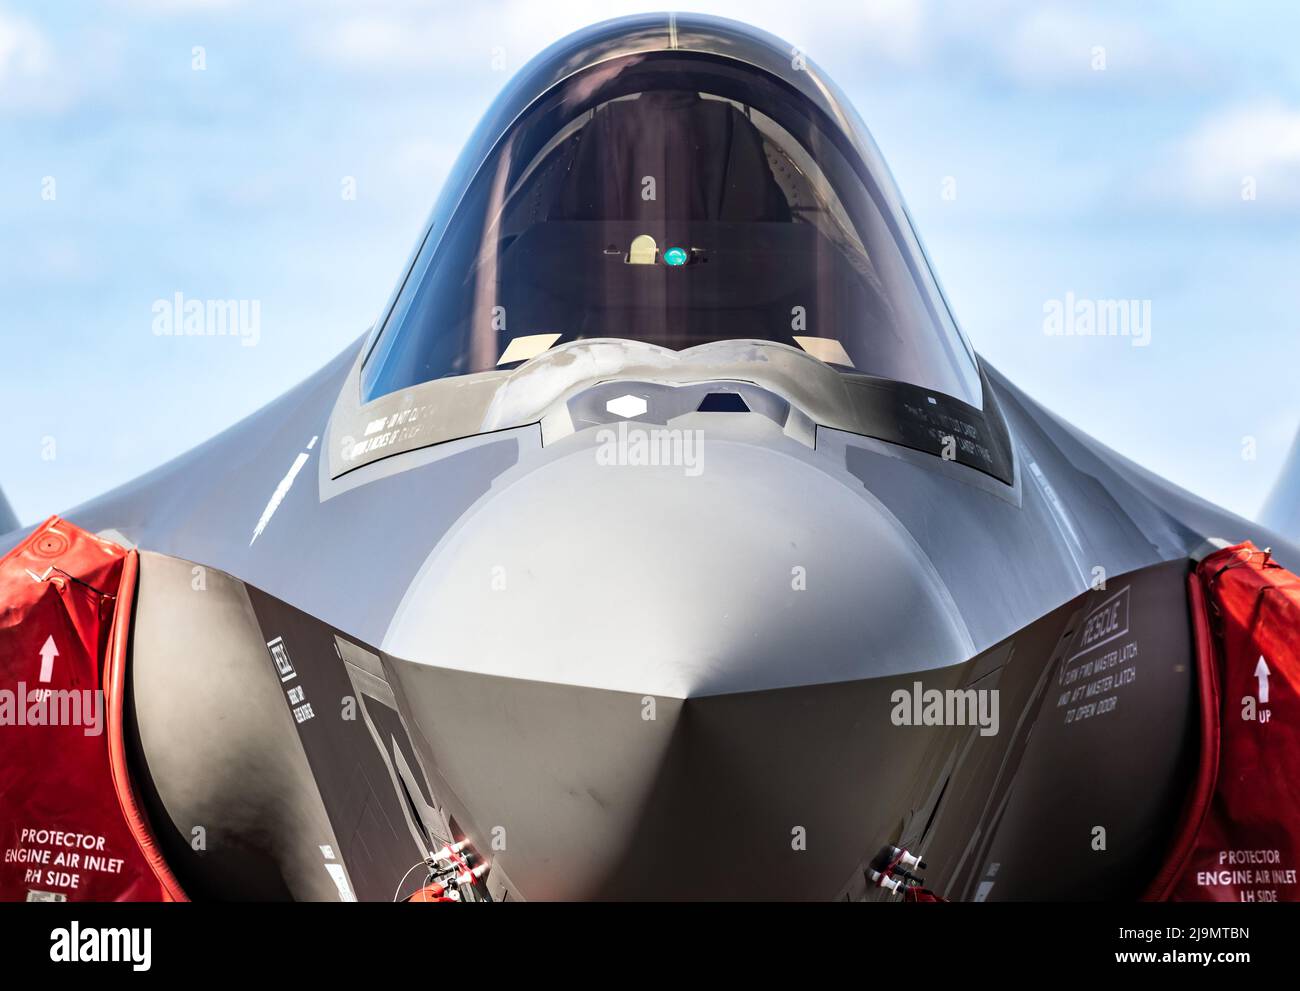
[(1122, 182)]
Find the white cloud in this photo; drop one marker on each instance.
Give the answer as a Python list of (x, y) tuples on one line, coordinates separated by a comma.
[(178, 6), (1259, 141), (1055, 45), (373, 41), (28, 80), (883, 33), (23, 49), (1042, 45), (895, 28)]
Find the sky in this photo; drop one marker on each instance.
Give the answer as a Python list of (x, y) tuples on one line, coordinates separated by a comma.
[(1112, 151)]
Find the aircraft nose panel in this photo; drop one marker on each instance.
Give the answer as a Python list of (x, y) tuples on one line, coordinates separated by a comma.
[(588, 793), (739, 568)]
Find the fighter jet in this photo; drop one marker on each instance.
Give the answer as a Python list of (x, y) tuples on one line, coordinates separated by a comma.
[(664, 538)]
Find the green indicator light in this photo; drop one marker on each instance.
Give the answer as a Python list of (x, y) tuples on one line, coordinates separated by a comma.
[(675, 256)]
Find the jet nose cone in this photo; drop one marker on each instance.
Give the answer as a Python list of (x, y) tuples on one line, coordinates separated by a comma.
[(662, 682), (743, 568)]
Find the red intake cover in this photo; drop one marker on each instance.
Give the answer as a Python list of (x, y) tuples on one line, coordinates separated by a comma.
[(62, 830), (1240, 837)]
